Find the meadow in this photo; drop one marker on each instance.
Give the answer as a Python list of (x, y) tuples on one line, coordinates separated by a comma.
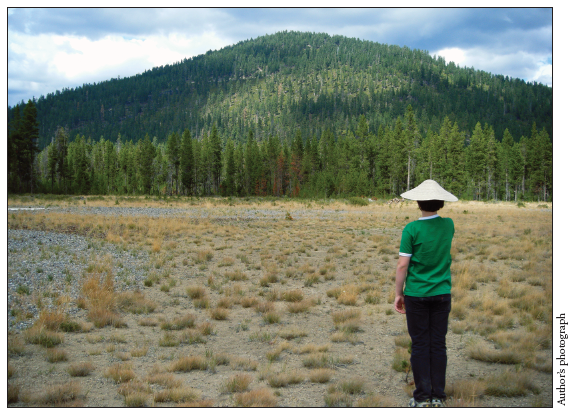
[(278, 302)]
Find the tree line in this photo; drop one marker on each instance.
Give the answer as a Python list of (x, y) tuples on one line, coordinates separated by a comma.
[(382, 163)]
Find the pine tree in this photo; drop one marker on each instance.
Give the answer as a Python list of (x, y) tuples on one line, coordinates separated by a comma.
[(187, 161), (146, 155), (173, 154), (216, 158), (27, 145), (505, 157)]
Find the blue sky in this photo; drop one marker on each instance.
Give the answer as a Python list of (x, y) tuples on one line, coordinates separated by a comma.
[(55, 48)]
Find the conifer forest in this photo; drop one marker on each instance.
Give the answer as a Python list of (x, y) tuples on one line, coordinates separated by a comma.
[(290, 114)]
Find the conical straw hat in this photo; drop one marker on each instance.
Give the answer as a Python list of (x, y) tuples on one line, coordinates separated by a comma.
[(429, 190)]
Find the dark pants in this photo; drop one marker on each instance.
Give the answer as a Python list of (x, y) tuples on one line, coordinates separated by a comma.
[(427, 326)]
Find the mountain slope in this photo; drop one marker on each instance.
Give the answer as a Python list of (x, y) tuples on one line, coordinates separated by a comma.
[(277, 84)]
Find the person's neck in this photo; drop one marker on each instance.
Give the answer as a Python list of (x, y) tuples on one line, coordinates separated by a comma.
[(425, 213)]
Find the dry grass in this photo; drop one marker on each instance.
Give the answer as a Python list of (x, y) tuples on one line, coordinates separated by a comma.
[(263, 397), (166, 380), (511, 383), (189, 363), (280, 380), (67, 394), (196, 292), (43, 337), (81, 369), (180, 323), (502, 290), (320, 375), (177, 395), (375, 401), (120, 372), (237, 383), (56, 355)]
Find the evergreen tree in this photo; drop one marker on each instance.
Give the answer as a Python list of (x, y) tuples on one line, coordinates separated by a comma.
[(215, 146), (187, 161), (173, 154), (146, 155), (27, 146)]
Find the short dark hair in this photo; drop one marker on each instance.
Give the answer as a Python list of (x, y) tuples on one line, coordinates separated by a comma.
[(430, 205)]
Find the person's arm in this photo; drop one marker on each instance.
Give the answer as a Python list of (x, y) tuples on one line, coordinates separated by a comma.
[(400, 274)]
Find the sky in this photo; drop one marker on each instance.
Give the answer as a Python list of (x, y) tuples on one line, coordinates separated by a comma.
[(50, 49)]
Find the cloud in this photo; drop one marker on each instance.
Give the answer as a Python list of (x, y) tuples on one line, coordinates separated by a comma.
[(52, 48)]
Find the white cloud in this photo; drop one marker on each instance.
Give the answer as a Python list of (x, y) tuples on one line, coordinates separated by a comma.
[(55, 62), (523, 65)]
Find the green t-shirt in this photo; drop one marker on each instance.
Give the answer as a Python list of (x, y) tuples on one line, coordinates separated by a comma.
[(428, 242)]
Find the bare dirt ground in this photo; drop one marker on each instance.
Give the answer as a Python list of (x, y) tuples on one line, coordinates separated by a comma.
[(330, 258)]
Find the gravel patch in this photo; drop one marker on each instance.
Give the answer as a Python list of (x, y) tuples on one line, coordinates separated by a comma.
[(44, 265)]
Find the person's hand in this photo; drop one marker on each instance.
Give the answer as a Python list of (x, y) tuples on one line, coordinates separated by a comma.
[(399, 304)]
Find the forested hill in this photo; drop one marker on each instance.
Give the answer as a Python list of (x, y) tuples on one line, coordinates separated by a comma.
[(289, 81)]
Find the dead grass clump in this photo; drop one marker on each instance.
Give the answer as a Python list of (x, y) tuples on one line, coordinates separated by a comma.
[(189, 363), (226, 262), (204, 256), (482, 352), (511, 383), (169, 340), (219, 313), (316, 361), (236, 275), (339, 317), (13, 393), (62, 394), (132, 387), (344, 337), (508, 289), (196, 292), (15, 345), (43, 337), (353, 386), (51, 320), (249, 302), (237, 383), (464, 390), (240, 363), (292, 333), (206, 328), (292, 296), (140, 352), (180, 323), (192, 337), (265, 307), (280, 380), (56, 355), (338, 399), (299, 306), (120, 372), (81, 369), (257, 398), (226, 302), (320, 375), (200, 403), (311, 348), (135, 303), (271, 317), (375, 401), (403, 340), (101, 301), (177, 395), (401, 360), (167, 380)]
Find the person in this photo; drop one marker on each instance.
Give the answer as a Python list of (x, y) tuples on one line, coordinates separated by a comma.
[(424, 266)]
